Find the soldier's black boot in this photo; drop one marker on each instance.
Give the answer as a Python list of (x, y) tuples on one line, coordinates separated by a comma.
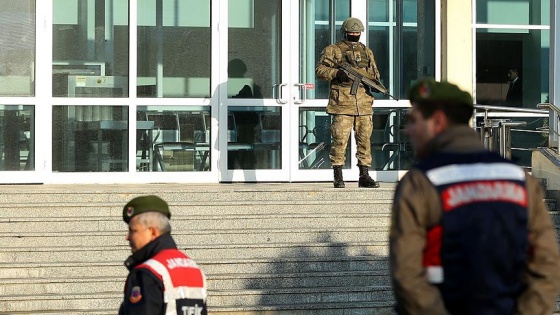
[(338, 181), (365, 180)]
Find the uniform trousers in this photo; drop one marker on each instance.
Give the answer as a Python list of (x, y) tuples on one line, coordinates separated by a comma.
[(341, 128)]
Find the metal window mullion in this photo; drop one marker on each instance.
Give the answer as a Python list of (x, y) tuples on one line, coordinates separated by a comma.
[(132, 83)]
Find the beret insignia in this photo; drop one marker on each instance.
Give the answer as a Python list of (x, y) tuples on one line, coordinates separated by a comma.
[(129, 211)]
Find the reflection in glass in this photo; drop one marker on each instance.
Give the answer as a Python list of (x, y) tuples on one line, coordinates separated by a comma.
[(527, 12), (498, 51), (318, 33), (17, 52), (390, 148), (315, 139), (90, 139), (254, 41), (173, 139), (17, 138), (90, 48), (174, 48), (403, 42), (254, 138)]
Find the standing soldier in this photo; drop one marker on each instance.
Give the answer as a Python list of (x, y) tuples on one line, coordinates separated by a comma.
[(349, 111)]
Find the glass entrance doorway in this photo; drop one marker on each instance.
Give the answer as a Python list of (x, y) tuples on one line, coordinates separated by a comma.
[(195, 91)]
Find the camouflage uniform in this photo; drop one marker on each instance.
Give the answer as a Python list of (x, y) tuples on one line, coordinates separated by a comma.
[(348, 110)]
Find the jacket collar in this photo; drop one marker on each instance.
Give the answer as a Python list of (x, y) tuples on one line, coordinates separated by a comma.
[(164, 241), (458, 139)]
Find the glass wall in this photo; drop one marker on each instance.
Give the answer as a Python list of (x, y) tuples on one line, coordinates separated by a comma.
[(173, 48), (90, 48), (254, 48), (17, 48), (402, 37), (17, 138), (17, 78), (173, 138), (254, 135), (320, 22), (90, 138), (512, 63)]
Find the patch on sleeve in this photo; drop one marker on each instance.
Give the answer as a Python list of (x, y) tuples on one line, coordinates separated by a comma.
[(135, 294)]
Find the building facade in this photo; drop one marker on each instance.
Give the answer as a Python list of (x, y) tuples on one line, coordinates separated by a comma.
[(208, 91)]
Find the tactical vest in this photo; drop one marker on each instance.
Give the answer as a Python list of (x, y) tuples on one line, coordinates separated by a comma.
[(184, 283), (354, 54), (477, 254)]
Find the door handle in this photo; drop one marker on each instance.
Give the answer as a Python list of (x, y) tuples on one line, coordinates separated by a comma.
[(302, 92), (278, 88)]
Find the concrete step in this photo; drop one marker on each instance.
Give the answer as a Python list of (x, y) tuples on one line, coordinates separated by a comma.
[(216, 266), (64, 210), (197, 252), (60, 304), (297, 221), (104, 284), (183, 237), (120, 194)]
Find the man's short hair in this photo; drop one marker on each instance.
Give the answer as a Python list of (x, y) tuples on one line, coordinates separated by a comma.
[(156, 220), (428, 95)]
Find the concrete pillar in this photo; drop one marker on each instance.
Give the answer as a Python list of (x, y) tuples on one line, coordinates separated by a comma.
[(457, 43)]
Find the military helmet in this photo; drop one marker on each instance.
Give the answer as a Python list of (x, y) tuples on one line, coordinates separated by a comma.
[(352, 25)]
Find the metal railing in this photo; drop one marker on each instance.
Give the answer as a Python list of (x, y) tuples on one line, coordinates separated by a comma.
[(496, 123), (553, 123)]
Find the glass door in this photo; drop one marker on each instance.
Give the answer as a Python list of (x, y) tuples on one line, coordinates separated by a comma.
[(256, 91), (393, 30)]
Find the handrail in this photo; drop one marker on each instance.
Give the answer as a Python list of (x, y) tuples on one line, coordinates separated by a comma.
[(510, 109), (496, 133), (549, 106), (553, 123)]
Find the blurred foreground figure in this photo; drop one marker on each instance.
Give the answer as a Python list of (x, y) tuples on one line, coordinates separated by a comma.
[(470, 233)]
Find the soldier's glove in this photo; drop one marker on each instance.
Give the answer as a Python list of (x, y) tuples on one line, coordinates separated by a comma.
[(341, 76)]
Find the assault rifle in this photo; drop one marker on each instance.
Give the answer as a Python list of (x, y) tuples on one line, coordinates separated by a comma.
[(359, 76)]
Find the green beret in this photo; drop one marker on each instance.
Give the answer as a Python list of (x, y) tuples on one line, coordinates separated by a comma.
[(431, 91), (144, 204)]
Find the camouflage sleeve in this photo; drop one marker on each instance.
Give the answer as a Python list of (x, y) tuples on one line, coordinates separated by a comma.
[(372, 69), (542, 276), (326, 66), (416, 207)]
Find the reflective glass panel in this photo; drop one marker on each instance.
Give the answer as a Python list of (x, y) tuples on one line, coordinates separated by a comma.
[(254, 137), (318, 32), (390, 148), (254, 41), (90, 48), (17, 138), (519, 12), (501, 52), (402, 37), (90, 139), (173, 139), (315, 139), (17, 48), (174, 48)]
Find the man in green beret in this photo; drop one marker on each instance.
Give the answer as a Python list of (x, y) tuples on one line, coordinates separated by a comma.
[(470, 233), (162, 279)]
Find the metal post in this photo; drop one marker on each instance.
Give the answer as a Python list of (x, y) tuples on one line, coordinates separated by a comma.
[(505, 136)]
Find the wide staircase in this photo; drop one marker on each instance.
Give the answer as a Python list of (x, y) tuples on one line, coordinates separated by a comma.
[(266, 248)]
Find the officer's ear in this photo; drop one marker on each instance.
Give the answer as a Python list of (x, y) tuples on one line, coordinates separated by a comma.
[(440, 121), (154, 233)]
